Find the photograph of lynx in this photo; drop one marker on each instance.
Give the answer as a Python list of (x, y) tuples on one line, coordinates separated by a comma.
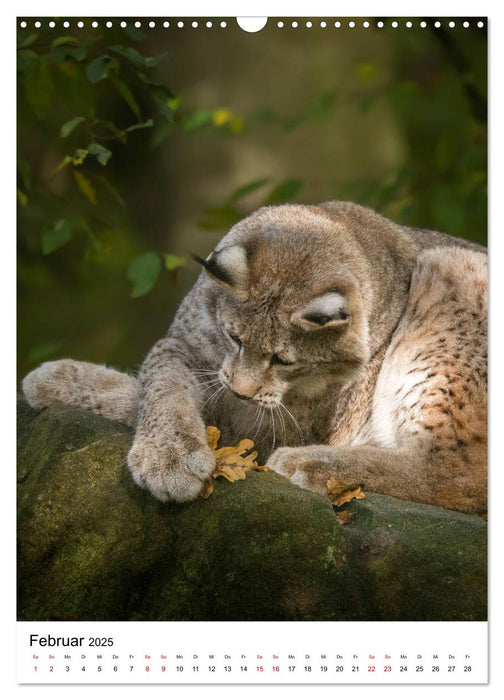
[(345, 344), (273, 238)]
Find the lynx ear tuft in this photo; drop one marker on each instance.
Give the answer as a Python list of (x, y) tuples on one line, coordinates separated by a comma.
[(228, 266), (330, 310)]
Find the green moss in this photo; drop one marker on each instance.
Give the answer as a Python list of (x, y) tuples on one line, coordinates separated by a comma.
[(92, 545)]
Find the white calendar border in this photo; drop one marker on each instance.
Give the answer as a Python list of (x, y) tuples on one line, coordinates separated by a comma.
[(7, 280)]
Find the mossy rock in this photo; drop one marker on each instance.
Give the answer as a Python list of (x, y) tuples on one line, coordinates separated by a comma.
[(94, 546)]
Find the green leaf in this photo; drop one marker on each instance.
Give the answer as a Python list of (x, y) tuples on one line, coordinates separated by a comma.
[(66, 161), (97, 69), (200, 118), (142, 125), (127, 95), (164, 99), (65, 52), (134, 33), (22, 197), (247, 189), (106, 128), (264, 116), (143, 273), (56, 235), (102, 154), (27, 41), (284, 192), (319, 108), (366, 102), (39, 87), (111, 189), (25, 60), (172, 262), (160, 134), (74, 89), (220, 218), (70, 125), (85, 187), (80, 156), (136, 57), (95, 247), (404, 96), (64, 41), (448, 211), (43, 352)]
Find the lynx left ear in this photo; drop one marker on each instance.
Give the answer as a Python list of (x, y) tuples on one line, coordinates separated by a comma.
[(228, 266), (330, 310)]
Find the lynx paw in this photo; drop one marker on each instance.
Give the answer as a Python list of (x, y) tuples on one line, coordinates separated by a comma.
[(49, 383), (306, 467), (170, 472)]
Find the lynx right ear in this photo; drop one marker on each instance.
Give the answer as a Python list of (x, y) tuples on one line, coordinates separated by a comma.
[(229, 268)]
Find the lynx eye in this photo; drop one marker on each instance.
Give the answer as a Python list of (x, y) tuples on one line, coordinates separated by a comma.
[(277, 360), (319, 319), (235, 339), (322, 319)]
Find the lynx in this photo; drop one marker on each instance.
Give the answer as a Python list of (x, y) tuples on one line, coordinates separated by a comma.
[(344, 344)]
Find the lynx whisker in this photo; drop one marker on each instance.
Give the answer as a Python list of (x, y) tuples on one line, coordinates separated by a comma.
[(258, 410), (209, 383), (281, 421), (213, 397), (272, 416), (298, 427), (259, 426)]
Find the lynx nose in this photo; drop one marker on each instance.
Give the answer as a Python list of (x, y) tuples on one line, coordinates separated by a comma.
[(244, 388)]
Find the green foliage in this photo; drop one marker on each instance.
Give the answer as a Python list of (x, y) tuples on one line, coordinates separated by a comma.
[(248, 188), (143, 273), (223, 217), (284, 192), (93, 104), (56, 235), (43, 352), (173, 262), (69, 126), (62, 77)]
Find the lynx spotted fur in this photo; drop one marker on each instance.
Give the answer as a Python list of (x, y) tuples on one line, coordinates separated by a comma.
[(342, 343)]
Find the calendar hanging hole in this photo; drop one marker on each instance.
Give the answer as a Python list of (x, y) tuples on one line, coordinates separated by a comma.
[(252, 24)]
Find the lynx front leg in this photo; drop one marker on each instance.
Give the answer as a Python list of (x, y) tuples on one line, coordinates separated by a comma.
[(380, 469), (170, 455)]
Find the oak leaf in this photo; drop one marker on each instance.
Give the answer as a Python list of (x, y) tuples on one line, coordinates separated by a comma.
[(343, 516), (340, 493), (232, 462)]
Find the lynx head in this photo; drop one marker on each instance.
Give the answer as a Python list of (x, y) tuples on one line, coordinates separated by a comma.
[(288, 304)]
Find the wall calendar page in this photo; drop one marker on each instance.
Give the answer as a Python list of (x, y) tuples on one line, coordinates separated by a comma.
[(252, 350)]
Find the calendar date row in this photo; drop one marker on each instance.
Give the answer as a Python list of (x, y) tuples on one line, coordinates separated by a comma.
[(293, 668)]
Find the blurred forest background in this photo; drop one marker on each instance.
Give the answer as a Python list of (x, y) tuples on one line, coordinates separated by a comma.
[(138, 146)]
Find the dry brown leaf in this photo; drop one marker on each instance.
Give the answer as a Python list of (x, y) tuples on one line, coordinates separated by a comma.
[(340, 493), (343, 516), (212, 435), (232, 463), (207, 489)]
